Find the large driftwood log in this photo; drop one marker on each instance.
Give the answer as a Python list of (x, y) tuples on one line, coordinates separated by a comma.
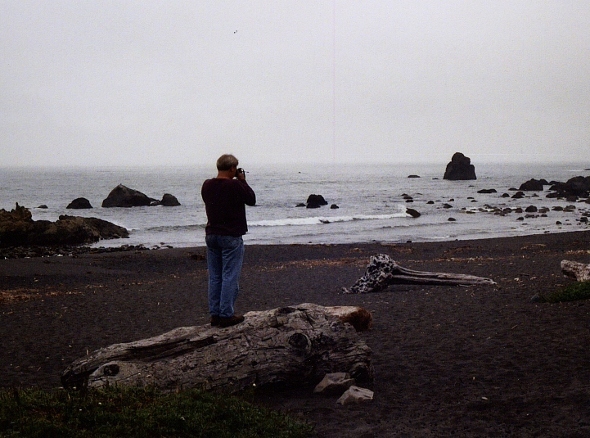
[(290, 346), (577, 270), (383, 271)]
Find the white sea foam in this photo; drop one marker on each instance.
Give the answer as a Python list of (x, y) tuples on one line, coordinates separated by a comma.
[(318, 220)]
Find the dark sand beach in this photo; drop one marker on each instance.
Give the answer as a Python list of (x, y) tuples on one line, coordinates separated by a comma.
[(449, 361)]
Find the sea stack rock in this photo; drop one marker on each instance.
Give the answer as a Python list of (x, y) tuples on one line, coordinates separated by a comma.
[(315, 201), (460, 168)]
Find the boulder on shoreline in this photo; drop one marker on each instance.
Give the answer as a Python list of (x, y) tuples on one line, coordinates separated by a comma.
[(17, 228)]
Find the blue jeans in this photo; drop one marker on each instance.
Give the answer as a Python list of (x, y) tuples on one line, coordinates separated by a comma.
[(225, 255)]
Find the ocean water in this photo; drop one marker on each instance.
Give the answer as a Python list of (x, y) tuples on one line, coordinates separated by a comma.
[(370, 198)]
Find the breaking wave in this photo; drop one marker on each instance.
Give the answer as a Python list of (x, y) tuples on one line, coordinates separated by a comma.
[(320, 220)]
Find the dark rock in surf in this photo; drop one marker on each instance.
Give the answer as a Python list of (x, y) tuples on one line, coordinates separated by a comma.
[(460, 168), (122, 196), (315, 201), (43, 206), (413, 213), (334, 207), (532, 185), (413, 176), (79, 204), (169, 200), (486, 191)]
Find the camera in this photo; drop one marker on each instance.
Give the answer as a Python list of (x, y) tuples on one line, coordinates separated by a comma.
[(240, 170)]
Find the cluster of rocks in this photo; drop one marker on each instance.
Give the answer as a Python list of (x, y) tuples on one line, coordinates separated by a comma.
[(21, 236), (460, 168), (17, 228), (533, 211), (576, 189), (122, 196), (572, 190)]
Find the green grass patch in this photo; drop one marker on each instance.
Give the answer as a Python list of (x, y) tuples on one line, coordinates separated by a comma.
[(576, 291), (139, 412)]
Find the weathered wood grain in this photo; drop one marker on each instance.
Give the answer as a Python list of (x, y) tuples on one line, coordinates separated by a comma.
[(288, 346), (383, 271), (577, 270)]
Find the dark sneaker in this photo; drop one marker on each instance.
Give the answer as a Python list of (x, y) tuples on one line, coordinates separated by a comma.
[(232, 320), (215, 320)]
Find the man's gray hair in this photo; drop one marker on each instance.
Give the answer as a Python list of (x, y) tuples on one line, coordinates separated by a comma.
[(226, 162)]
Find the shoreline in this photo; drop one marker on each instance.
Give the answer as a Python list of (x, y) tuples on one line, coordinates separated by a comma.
[(103, 246), (471, 361)]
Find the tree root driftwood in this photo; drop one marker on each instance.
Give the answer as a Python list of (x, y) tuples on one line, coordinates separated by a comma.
[(296, 345), (382, 271), (577, 270)]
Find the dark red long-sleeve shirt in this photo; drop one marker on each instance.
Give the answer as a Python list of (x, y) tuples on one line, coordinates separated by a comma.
[(225, 204)]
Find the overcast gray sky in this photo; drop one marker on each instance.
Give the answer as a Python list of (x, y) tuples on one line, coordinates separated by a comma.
[(180, 82)]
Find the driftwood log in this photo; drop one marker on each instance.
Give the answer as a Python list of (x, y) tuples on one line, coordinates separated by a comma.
[(383, 271), (288, 346), (577, 270)]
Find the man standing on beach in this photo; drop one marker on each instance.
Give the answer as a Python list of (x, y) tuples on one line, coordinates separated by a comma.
[(225, 197)]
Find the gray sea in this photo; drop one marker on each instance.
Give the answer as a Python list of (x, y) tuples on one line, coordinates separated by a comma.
[(370, 200)]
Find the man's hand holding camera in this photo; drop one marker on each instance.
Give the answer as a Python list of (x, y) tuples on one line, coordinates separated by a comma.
[(240, 174)]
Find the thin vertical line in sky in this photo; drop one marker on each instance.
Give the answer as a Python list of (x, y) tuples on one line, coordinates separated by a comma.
[(334, 81)]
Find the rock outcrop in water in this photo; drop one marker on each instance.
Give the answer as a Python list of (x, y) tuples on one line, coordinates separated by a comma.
[(574, 188), (460, 168), (315, 201), (17, 228), (122, 196), (79, 204), (169, 200), (534, 185)]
